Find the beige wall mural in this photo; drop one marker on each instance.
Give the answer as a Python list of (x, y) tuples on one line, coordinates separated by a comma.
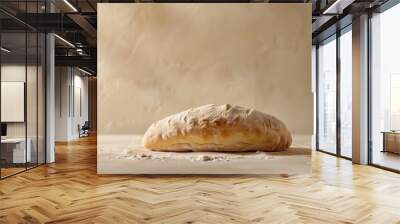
[(158, 59)]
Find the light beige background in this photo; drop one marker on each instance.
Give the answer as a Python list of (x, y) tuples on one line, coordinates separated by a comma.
[(158, 59)]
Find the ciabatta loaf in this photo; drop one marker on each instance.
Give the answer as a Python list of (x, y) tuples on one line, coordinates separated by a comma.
[(218, 128)]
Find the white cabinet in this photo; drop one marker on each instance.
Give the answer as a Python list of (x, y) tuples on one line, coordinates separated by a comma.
[(12, 101)]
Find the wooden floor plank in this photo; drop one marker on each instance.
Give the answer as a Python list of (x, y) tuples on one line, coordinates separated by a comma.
[(70, 191)]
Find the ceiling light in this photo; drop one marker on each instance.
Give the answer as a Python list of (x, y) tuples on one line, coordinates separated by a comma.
[(80, 51), (333, 6), (5, 50), (84, 71), (338, 6), (65, 41), (70, 5)]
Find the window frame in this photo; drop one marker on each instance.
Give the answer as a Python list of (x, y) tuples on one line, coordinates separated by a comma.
[(334, 37)]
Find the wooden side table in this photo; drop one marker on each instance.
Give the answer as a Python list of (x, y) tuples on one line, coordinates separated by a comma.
[(391, 141)]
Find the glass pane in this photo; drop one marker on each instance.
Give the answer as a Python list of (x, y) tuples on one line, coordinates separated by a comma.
[(13, 86), (22, 90), (327, 96), (386, 89), (32, 95), (346, 93), (41, 99), (31, 88)]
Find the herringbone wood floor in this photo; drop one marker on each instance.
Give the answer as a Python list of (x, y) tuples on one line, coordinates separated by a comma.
[(70, 191)]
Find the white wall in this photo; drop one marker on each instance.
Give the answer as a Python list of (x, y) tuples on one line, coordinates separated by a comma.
[(80, 109), (62, 81), (70, 83)]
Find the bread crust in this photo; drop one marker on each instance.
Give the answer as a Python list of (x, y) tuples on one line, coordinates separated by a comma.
[(223, 128)]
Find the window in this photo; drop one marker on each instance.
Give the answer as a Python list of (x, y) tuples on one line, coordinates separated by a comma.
[(385, 89), (22, 77), (327, 96), (346, 93), (334, 106)]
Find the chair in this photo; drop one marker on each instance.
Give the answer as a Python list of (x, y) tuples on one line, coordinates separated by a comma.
[(84, 130)]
